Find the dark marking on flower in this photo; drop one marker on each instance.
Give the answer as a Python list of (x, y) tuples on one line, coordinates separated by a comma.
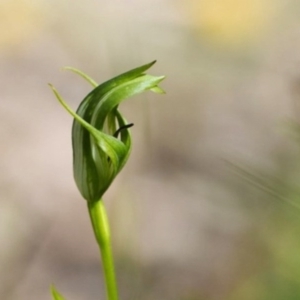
[(122, 128), (119, 130)]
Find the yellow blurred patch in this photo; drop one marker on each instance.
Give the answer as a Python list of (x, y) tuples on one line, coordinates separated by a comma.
[(19, 21), (231, 22)]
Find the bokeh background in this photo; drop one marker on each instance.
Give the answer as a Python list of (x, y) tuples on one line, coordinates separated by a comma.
[(208, 206)]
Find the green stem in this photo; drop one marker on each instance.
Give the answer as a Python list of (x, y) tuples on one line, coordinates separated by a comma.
[(101, 230)]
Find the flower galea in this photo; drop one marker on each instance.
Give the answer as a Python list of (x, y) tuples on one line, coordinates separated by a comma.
[(101, 138)]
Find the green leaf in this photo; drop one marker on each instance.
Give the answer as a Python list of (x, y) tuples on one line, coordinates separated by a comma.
[(55, 294), (98, 154)]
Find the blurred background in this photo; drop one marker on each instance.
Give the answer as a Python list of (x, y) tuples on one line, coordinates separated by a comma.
[(208, 206)]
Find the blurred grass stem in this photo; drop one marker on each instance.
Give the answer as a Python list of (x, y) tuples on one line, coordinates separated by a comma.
[(102, 233)]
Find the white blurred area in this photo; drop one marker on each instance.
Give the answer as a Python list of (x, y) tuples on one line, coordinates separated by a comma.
[(180, 228)]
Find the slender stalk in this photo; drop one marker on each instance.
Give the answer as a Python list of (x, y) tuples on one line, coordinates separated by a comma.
[(101, 230)]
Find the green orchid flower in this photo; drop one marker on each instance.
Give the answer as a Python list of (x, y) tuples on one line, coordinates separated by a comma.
[(100, 135)]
